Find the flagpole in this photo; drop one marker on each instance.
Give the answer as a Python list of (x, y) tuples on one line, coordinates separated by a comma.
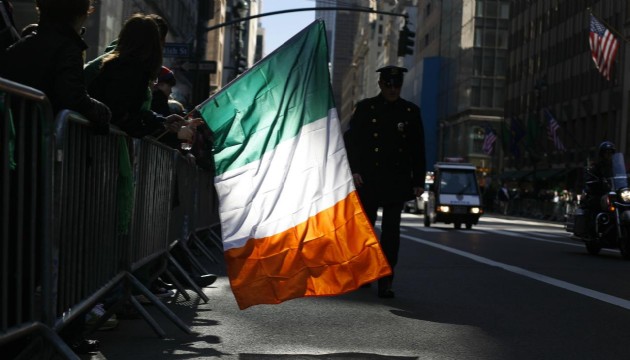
[(610, 27)]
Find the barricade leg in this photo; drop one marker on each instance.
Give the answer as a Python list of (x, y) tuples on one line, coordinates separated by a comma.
[(145, 315), (196, 241), (190, 281), (192, 258), (178, 285), (166, 311)]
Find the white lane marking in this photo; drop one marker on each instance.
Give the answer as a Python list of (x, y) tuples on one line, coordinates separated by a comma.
[(613, 300), (519, 234)]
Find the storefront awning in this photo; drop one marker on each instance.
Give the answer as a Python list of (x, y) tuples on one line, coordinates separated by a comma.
[(548, 174), (530, 175), (515, 175)]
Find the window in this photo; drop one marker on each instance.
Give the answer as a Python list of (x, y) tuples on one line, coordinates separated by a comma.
[(504, 11), (488, 65), (499, 96), (477, 64), (478, 37), (502, 39), (486, 96), (427, 10), (479, 11), (490, 38), (491, 9)]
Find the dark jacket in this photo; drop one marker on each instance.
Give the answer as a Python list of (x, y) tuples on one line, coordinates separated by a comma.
[(159, 103), (385, 145), (595, 184), (51, 61), (123, 85)]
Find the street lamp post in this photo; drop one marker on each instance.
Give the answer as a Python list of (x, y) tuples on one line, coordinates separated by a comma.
[(240, 11)]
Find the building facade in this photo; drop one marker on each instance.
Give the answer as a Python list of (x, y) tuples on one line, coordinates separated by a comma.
[(474, 49), (551, 72), (341, 27)]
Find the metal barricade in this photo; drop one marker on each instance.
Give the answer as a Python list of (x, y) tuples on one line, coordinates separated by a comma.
[(27, 296), (154, 169), (182, 224), (86, 246), (206, 214)]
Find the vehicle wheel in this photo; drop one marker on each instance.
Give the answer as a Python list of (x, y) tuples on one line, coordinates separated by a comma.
[(624, 248), (468, 226), (592, 248), (457, 225)]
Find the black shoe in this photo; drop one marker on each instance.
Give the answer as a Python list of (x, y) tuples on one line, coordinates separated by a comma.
[(386, 294), (85, 346), (205, 280), (161, 283)]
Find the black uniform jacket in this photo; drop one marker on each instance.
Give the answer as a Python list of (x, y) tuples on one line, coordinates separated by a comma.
[(385, 145)]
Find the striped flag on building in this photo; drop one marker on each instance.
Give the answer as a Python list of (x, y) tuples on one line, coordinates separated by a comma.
[(552, 131), (488, 141), (291, 220), (604, 47)]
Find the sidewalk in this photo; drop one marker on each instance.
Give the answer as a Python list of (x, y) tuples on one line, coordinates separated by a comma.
[(135, 339)]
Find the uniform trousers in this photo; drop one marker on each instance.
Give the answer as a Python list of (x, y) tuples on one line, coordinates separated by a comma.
[(390, 232)]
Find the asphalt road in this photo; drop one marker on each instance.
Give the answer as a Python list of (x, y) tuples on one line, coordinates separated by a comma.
[(506, 289)]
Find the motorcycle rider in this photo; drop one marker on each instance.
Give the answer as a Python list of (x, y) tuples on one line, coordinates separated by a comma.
[(595, 183)]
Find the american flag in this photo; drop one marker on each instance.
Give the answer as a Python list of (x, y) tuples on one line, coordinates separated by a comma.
[(604, 47), (552, 131), (489, 140)]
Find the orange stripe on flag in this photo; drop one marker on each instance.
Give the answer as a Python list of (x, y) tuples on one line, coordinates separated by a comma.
[(333, 252)]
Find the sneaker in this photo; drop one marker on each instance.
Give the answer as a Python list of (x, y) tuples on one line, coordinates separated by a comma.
[(161, 283), (162, 293), (96, 313), (85, 346), (143, 299)]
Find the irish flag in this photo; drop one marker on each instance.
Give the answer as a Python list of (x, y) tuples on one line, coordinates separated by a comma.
[(291, 221)]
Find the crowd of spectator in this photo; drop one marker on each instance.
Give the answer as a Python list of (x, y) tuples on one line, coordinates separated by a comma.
[(551, 204), (127, 86)]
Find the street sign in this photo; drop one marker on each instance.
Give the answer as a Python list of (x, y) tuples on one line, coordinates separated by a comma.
[(176, 50), (206, 66)]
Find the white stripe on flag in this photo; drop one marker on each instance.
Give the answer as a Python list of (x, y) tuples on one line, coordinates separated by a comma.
[(287, 186)]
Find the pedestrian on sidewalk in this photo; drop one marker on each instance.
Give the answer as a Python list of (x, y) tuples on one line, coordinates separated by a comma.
[(503, 195)]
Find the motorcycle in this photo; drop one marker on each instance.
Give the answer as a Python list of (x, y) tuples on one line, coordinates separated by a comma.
[(608, 226)]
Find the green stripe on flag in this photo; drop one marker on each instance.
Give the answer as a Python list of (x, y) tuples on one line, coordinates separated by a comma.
[(272, 101)]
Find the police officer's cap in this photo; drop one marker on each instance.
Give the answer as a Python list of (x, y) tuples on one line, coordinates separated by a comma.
[(392, 74)]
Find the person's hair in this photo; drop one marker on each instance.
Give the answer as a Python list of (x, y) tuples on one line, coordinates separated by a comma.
[(139, 42), (64, 11), (162, 25)]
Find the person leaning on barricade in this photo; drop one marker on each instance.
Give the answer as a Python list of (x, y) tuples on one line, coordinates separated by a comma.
[(51, 60), (122, 82)]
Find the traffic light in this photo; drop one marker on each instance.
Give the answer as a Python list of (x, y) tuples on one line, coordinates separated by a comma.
[(405, 41), (241, 65)]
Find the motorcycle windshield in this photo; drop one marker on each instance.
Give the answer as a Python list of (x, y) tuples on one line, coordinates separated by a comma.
[(620, 178)]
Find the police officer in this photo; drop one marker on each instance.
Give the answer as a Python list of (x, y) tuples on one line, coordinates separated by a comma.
[(385, 145), (595, 185)]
